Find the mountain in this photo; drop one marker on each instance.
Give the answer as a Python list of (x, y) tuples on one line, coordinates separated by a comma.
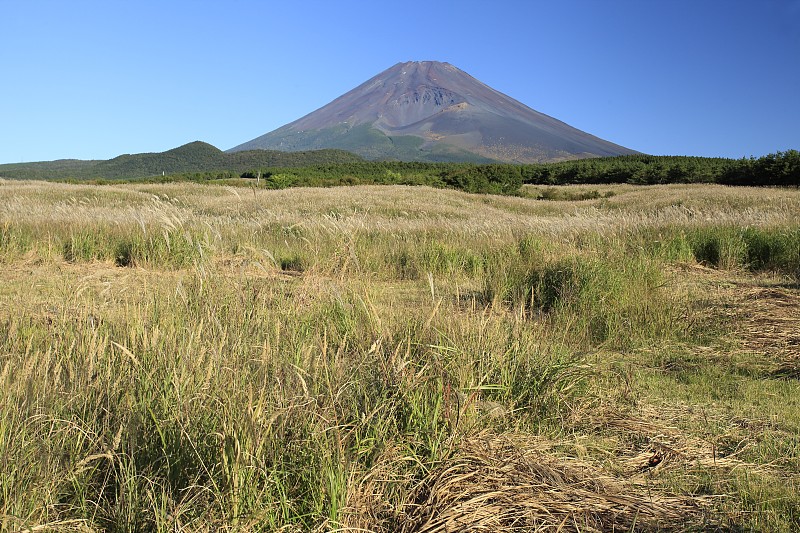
[(432, 111), (193, 157)]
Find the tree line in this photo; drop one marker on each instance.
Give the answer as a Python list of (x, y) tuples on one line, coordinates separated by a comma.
[(777, 169)]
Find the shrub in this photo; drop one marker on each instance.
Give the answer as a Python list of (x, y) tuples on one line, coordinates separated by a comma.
[(293, 263), (592, 300), (174, 248)]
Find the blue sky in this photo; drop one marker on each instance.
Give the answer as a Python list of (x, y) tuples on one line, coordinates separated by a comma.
[(96, 79)]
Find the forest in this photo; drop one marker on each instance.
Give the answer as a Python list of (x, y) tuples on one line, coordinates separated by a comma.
[(777, 169), (198, 162)]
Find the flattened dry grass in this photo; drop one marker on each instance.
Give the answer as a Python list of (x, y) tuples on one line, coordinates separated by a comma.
[(516, 483), (769, 324)]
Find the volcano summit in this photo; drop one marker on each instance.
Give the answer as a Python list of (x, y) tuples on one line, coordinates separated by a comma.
[(432, 111)]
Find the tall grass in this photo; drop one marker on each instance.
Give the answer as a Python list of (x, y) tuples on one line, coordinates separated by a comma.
[(223, 403), (302, 360), (776, 249)]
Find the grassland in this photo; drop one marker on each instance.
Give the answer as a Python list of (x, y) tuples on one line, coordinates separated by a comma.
[(182, 357)]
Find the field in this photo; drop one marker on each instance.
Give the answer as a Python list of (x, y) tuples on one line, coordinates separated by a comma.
[(186, 357)]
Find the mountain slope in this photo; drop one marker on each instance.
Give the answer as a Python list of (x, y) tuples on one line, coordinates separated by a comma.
[(193, 157), (433, 111)]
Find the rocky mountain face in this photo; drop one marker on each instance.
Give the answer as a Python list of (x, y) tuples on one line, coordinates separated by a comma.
[(432, 111)]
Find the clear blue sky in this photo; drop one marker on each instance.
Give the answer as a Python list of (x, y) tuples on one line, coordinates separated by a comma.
[(95, 79)]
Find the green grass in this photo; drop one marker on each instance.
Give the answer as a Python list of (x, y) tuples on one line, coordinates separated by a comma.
[(776, 249)]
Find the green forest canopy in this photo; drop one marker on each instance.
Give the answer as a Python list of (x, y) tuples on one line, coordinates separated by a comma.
[(778, 169)]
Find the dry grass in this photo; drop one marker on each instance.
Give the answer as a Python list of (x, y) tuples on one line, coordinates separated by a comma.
[(182, 357), (769, 324), (514, 482), (392, 208)]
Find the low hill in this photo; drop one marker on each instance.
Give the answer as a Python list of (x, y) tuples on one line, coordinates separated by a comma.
[(193, 157)]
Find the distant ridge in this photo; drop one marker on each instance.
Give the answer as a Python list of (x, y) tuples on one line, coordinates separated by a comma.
[(196, 156), (432, 111)]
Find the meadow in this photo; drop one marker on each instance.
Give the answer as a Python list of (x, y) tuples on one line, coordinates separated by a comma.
[(187, 357)]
